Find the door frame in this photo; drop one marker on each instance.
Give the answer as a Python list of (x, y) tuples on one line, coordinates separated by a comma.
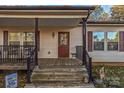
[(68, 44)]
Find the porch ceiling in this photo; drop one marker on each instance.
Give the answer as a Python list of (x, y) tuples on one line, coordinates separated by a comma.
[(42, 22)]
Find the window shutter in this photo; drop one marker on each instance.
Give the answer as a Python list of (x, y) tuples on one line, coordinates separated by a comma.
[(38, 41), (121, 41), (90, 35), (5, 37)]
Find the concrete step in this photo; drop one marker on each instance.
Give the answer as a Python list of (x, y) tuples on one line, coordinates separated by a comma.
[(59, 62), (66, 86), (60, 82), (37, 80), (61, 69), (50, 73), (55, 85), (55, 75), (58, 78), (59, 72)]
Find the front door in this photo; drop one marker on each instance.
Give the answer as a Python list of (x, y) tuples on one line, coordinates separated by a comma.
[(63, 44)]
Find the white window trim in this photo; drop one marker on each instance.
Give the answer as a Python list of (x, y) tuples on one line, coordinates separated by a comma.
[(105, 42)]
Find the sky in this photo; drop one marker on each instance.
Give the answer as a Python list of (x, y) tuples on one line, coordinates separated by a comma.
[(107, 8), (43, 2), (61, 2)]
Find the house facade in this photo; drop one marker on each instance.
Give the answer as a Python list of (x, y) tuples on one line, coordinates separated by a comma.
[(42, 39), (33, 33)]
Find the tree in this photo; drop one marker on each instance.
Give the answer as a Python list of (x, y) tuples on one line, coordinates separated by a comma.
[(117, 12), (95, 16), (99, 15), (104, 17)]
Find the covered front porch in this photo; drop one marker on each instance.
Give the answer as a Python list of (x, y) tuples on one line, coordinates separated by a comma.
[(63, 39), (43, 34)]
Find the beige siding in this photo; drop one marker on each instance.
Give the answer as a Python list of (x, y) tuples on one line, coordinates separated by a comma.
[(50, 44)]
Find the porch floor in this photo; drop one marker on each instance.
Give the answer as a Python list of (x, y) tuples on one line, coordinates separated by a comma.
[(47, 62)]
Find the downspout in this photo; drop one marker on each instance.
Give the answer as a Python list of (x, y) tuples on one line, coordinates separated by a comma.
[(84, 52)]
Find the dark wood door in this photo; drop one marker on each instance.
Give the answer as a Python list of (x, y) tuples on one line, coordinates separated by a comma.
[(63, 44)]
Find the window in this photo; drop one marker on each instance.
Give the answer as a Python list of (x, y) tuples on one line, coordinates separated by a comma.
[(112, 41), (105, 41), (28, 38), (21, 38), (14, 38), (98, 39)]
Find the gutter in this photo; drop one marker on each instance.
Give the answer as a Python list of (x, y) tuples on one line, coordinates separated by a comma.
[(47, 7)]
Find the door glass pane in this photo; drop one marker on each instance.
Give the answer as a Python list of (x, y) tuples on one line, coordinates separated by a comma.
[(63, 39)]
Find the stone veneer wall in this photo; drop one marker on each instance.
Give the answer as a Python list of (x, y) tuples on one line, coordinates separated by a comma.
[(114, 76), (21, 78)]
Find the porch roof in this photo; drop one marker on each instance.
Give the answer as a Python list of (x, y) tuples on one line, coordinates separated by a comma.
[(45, 11), (105, 23)]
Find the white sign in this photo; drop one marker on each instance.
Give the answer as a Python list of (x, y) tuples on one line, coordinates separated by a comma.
[(11, 81)]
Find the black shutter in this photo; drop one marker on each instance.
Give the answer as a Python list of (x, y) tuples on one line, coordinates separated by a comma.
[(90, 36), (5, 37), (121, 41)]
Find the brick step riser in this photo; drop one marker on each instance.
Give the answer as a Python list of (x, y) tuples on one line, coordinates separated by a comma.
[(60, 69), (59, 62), (60, 84), (69, 64), (59, 72), (68, 82), (58, 77), (81, 74)]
